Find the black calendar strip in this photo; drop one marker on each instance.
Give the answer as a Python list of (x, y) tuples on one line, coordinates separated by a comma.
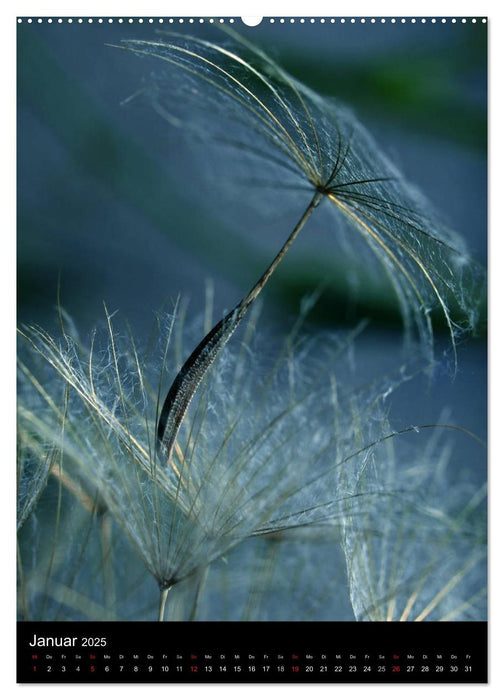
[(269, 652)]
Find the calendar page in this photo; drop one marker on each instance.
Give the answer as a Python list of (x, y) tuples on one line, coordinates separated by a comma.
[(251, 349)]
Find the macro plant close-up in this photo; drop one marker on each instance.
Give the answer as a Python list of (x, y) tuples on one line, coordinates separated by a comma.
[(257, 389)]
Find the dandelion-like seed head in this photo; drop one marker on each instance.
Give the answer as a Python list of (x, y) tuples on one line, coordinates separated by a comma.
[(232, 92), (238, 464), (287, 450)]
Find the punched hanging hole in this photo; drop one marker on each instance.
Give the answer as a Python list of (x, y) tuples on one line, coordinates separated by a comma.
[(251, 21)]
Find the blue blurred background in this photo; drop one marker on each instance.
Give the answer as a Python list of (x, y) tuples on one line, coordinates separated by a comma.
[(112, 202)]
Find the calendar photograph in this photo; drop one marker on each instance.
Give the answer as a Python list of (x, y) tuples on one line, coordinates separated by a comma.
[(252, 359)]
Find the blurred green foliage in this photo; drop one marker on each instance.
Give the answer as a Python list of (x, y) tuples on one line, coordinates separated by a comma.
[(421, 88)]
